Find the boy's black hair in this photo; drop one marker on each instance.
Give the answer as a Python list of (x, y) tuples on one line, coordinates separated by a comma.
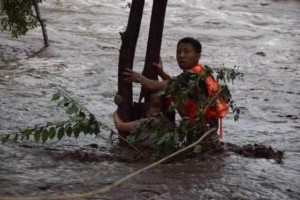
[(196, 44)]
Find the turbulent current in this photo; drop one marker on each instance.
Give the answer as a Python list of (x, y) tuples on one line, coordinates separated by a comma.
[(261, 38)]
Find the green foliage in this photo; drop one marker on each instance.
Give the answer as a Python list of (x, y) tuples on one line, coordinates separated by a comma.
[(81, 121), (229, 75), (166, 136), (17, 16), (169, 137), (159, 130)]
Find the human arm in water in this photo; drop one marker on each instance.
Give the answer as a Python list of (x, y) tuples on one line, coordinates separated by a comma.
[(152, 85), (122, 126)]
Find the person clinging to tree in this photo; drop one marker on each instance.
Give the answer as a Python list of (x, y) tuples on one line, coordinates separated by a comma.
[(153, 108), (189, 98)]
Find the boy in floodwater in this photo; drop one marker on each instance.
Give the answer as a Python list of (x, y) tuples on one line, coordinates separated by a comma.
[(153, 107), (188, 54)]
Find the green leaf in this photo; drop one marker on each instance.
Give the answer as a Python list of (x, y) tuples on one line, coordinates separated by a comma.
[(69, 130), (164, 138), (52, 133), (16, 137), (86, 130), (45, 135), (37, 135), (131, 139), (4, 138), (81, 114), (77, 118), (66, 101), (77, 129), (72, 109), (153, 136), (26, 133), (61, 133), (56, 96), (197, 148), (95, 128)]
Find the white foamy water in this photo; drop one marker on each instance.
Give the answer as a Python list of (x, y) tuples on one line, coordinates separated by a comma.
[(83, 60)]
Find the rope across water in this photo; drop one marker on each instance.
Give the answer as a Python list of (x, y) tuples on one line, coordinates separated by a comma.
[(115, 184)]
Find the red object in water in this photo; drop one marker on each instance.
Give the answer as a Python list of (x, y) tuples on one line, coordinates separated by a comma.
[(221, 129)]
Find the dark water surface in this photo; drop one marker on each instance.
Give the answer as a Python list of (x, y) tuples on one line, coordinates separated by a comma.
[(261, 37)]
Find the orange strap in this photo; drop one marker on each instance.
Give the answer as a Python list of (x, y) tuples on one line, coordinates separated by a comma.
[(221, 129)]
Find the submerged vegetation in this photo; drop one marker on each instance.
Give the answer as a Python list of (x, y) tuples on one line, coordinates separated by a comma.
[(168, 138), (81, 120), (17, 17)]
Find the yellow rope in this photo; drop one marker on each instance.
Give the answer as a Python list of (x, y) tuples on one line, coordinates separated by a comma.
[(115, 184)]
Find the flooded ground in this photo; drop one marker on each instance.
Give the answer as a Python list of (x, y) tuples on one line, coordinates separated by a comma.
[(261, 37)]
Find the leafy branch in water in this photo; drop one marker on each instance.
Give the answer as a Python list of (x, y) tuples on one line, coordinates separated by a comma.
[(168, 137), (81, 120), (18, 16), (229, 75)]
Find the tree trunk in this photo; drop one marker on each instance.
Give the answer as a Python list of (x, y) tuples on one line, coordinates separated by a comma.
[(154, 41), (38, 14), (127, 51)]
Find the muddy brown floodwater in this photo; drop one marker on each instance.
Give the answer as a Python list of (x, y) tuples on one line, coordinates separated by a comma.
[(261, 37)]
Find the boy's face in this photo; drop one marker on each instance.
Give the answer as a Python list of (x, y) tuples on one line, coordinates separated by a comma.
[(186, 56)]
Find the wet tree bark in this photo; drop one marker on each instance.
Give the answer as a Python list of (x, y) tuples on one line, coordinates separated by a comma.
[(38, 14), (154, 42), (129, 40)]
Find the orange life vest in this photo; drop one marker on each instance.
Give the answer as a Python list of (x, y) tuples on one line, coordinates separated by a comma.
[(212, 113), (216, 112)]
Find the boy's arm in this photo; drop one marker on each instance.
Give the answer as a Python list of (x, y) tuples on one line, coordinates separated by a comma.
[(122, 126), (153, 85), (165, 76), (160, 71)]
